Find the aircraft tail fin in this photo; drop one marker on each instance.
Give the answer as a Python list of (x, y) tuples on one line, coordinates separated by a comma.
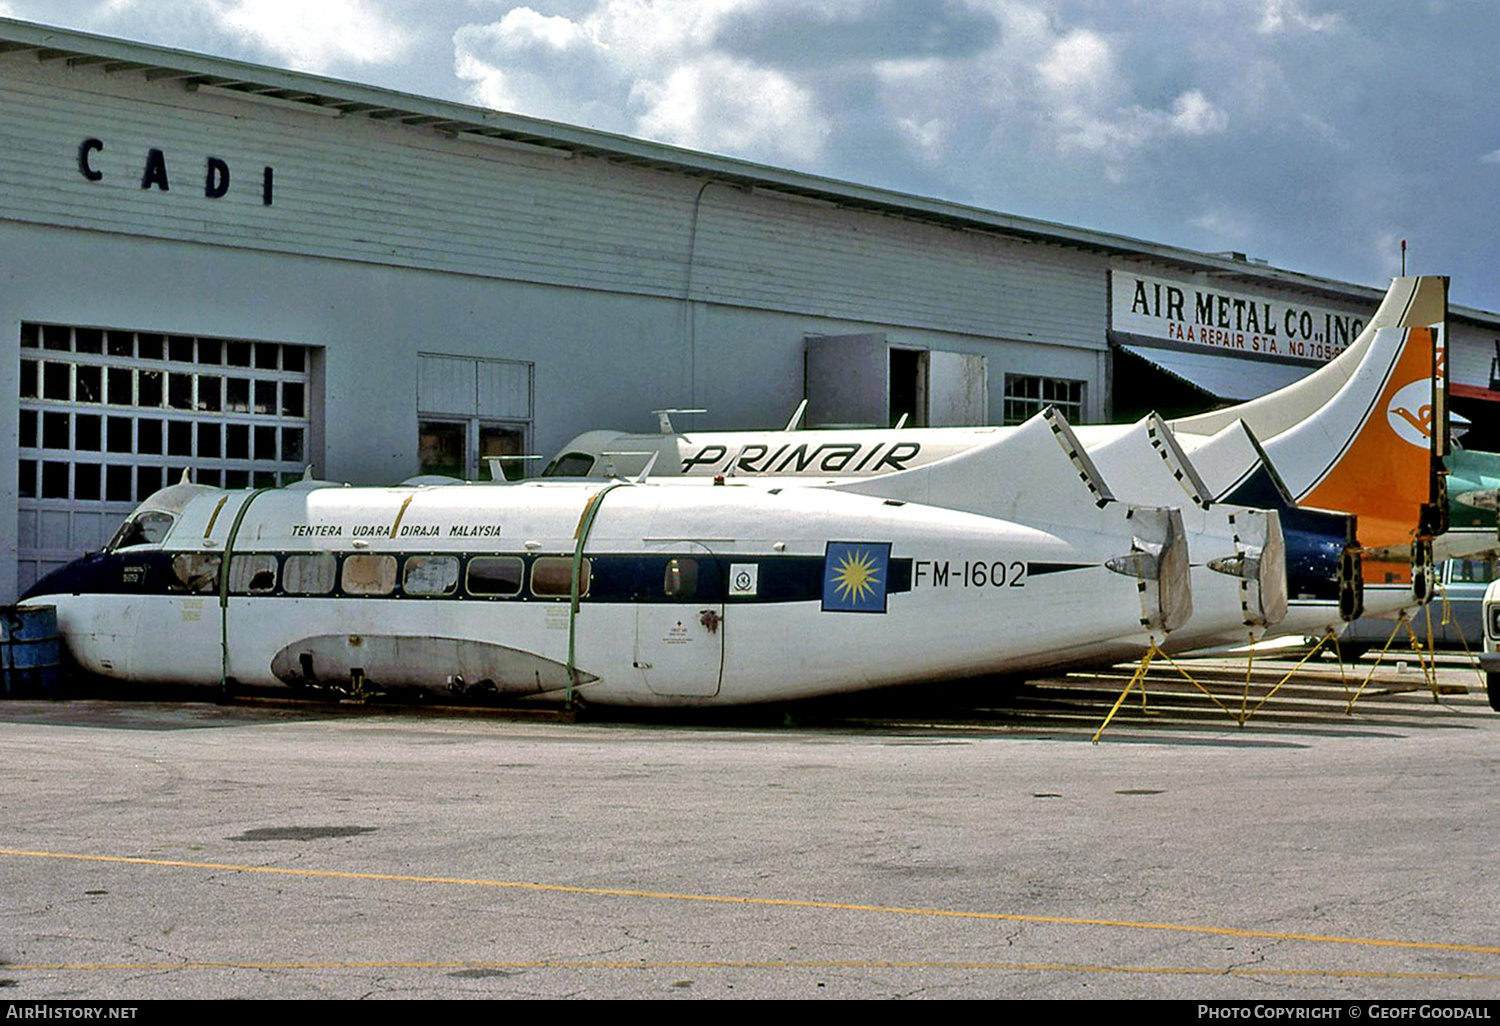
[(1144, 455), (1235, 468), (1377, 449), (1367, 433), (1321, 549), (1409, 303), (1039, 473)]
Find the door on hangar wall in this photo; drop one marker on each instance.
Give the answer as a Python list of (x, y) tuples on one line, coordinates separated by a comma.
[(108, 416), (867, 381), (471, 411)]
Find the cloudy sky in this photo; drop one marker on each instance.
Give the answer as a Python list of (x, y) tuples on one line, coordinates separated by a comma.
[(1315, 134)]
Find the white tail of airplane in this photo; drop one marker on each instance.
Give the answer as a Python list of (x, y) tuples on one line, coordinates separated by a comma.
[(1146, 454), (1040, 475), (1030, 474), (1239, 559), (1366, 433)]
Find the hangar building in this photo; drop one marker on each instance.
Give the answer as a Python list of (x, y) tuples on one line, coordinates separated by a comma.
[(243, 271)]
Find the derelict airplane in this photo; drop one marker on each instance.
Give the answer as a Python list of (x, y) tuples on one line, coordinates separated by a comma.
[(623, 592)]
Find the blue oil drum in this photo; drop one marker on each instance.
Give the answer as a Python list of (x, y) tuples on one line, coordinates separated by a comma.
[(29, 652)]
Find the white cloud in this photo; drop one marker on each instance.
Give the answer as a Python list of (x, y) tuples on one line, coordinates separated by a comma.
[(1083, 84), (647, 67), (1192, 114), (1038, 87), (927, 138), (1322, 129), (718, 104), (1492, 157), (1079, 63), (523, 27), (308, 36), (1288, 15), (702, 74), (1223, 225)]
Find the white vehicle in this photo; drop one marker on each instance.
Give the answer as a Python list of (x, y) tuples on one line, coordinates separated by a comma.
[(624, 592), (1489, 659)]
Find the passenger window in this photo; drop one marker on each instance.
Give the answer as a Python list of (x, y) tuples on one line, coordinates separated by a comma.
[(252, 574), (681, 578), (430, 575), (368, 574), (195, 572), (495, 575), (310, 573), (552, 577)]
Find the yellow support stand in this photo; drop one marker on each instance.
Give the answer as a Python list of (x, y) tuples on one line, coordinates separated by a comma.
[(1245, 711), (1139, 677), (1329, 637), (1426, 661), (1469, 653)]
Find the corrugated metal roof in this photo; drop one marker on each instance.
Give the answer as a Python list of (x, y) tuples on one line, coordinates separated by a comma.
[(334, 97)]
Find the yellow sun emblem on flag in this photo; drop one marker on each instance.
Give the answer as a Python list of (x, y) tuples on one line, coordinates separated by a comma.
[(855, 577)]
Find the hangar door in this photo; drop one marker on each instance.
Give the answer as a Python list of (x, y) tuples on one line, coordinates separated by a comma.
[(866, 381), (109, 416)]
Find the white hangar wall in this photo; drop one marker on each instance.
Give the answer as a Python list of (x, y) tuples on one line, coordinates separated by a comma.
[(356, 189)]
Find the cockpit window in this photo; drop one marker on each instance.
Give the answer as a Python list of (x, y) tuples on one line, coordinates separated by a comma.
[(147, 528), (570, 464)]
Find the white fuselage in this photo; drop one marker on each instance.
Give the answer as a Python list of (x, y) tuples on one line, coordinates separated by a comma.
[(688, 596)]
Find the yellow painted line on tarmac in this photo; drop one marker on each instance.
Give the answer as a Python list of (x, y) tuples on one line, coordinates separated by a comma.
[(864, 964), (801, 903)]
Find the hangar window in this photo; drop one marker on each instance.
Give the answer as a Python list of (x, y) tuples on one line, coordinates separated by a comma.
[(1026, 395), (472, 414), (107, 416)]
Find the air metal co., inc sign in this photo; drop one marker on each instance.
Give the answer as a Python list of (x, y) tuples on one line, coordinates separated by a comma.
[(1196, 315)]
